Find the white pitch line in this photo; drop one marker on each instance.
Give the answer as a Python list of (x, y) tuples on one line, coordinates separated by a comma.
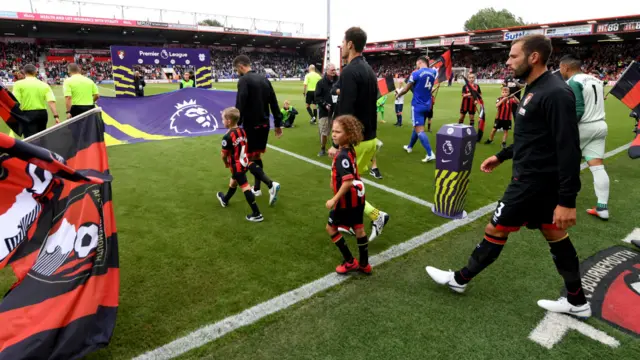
[(366, 181), (249, 316)]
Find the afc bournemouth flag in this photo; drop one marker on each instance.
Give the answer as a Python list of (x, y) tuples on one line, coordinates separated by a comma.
[(10, 111), (386, 85), (444, 65), (58, 234), (627, 88)]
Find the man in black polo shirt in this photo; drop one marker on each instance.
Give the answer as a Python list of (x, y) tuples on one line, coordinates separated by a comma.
[(254, 99), (546, 177)]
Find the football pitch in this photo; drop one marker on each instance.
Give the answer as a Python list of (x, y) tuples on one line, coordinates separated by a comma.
[(190, 269)]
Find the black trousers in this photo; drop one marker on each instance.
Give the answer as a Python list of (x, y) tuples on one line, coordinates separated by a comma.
[(79, 109), (37, 122)]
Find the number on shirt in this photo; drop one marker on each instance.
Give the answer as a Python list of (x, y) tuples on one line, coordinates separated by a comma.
[(595, 93), (244, 160), (428, 84)]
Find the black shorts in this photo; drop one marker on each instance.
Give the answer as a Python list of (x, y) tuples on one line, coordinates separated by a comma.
[(353, 217), (240, 178), (528, 203), (79, 109), (430, 114), (311, 97), (502, 124), (38, 120), (257, 140)]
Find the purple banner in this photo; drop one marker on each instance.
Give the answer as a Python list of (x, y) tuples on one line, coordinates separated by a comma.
[(135, 55), (181, 113)]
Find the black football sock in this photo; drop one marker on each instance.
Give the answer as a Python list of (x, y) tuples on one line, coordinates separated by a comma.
[(251, 199), (258, 162), (309, 111), (315, 113), (342, 245), (230, 192), (483, 255), (566, 259), (259, 174), (363, 248)]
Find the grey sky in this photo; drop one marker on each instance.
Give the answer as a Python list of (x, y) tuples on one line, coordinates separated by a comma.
[(383, 20)]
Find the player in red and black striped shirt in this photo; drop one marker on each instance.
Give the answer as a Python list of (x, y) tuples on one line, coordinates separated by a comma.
[(468, 104), (347, 205), (505, 105), (234, 156)]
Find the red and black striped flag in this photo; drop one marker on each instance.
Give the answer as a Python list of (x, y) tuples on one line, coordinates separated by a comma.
[(476, 96), (58, 233), (10, 111), (386, 85), (444, 65), (627, 90)]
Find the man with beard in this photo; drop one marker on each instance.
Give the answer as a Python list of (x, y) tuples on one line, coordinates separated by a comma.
[(546, 178), (357, 96), (326, 107)]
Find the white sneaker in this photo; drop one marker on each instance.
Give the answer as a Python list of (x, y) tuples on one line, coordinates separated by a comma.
[(562, 305), (256, 193), (378, 225), (429, 158), (408, 149), (273, 193), (378, 144), (445, 278)]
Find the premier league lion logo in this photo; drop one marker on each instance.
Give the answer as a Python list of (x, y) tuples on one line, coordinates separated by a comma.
[(447, 147), (164, 54), (201, 57), (192, 118)]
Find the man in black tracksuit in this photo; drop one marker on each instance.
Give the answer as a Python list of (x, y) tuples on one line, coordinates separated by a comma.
[(254, 99), (546, 177), (358, 92), (326, 105)]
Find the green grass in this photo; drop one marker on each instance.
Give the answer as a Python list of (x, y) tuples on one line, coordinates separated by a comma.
[(187, 262)]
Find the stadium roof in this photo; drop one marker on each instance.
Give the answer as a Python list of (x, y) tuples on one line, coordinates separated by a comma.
[(604, 29), (75, 28)]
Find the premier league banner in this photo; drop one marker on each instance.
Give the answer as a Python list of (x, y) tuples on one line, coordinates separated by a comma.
[(124, 58), (183, 113)]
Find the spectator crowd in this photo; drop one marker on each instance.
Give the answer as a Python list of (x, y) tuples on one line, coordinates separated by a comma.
[(605, 60)]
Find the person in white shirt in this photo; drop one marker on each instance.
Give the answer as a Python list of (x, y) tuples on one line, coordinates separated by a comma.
[(399, 102)]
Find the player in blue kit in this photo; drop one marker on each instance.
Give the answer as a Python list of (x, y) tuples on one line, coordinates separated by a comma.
[(422, 81)]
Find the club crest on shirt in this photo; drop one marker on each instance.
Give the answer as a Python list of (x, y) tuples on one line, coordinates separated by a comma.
[(527, 99)]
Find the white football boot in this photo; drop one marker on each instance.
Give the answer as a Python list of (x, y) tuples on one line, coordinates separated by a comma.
[(562, 305), (445, 278)]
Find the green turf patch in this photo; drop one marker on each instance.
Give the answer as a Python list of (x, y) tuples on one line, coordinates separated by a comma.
[(399, 312), (187, 262)]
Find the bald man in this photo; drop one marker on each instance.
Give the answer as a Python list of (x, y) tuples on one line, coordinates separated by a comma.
[(326, 105), (80, 92), (310, 83)]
